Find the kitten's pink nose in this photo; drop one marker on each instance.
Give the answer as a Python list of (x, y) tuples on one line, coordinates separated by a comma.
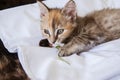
[(53, 39)]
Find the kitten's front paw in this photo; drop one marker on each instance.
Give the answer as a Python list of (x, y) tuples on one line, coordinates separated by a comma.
[(64, 52)]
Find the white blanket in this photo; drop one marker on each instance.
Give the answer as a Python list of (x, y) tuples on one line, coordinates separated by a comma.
[(20, 32), (100, 63)]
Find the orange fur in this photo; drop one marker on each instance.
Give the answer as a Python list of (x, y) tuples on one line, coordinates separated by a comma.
[(55, 20)]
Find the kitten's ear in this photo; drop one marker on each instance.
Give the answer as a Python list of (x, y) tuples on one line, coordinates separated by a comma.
[(70, 10), (43, 8)]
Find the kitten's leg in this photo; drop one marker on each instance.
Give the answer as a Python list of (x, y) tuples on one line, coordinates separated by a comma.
[(79, 44), (90, 37), (76, 45)]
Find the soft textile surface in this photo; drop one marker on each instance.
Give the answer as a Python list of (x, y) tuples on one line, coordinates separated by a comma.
[(20, 32), (20, 26), (100, 63)]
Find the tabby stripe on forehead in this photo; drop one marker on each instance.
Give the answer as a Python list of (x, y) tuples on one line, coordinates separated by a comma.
[(53, 27), (53, 23)]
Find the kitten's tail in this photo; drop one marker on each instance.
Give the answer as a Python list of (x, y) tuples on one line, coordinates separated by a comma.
[(10, 67)]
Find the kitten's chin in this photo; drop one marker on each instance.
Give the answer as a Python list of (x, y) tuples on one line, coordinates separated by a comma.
[(57, 44)]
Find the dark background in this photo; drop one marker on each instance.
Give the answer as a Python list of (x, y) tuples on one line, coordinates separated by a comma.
[(4, 4)]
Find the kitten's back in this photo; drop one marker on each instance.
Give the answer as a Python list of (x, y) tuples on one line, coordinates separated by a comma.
[(109, 19)]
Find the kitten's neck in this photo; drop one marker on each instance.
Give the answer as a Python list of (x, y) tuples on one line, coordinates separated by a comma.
[(76, 30), (80, 22)]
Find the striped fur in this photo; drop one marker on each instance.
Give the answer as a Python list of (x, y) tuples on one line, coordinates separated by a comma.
[(79, 33)]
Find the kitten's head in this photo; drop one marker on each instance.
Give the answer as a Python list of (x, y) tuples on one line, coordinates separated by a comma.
[(58, 24)]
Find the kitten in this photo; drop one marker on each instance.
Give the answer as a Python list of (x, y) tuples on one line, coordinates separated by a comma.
[(78, 33)]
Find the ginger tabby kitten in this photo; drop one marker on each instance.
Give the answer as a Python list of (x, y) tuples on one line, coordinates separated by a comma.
[(78, 33)]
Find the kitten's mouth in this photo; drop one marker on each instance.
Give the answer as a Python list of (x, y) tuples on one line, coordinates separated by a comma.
[(57, 44), (46, 43)]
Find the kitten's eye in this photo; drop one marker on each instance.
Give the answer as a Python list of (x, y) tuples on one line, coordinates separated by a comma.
[(46, 31), (60, 31)]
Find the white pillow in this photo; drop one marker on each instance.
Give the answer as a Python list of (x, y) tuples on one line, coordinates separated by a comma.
[(21, 25)]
